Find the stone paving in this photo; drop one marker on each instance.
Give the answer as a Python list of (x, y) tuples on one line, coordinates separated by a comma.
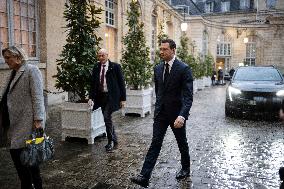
[(225, 153)]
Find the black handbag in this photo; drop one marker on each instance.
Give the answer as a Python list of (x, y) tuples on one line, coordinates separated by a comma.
[(38, 150)]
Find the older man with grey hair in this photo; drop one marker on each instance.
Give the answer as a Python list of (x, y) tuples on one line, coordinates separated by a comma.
[(108, 92)]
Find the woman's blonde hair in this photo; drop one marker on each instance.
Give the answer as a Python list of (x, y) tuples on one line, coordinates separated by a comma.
[(17, 52)]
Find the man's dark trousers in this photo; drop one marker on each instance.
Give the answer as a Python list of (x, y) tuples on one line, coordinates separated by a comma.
[(160, 126), (107, 113)]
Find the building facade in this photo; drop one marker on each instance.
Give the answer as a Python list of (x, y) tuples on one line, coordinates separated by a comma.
[(236, 32), (38, 26)]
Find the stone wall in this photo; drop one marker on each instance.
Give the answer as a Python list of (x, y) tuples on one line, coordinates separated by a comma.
[(53, 38)]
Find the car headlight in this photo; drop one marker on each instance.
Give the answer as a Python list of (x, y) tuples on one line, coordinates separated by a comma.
[(233, 91), (280, 93)]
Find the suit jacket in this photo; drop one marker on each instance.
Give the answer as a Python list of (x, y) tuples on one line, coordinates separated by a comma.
[(25, 103), (175, 97), (115, 85)]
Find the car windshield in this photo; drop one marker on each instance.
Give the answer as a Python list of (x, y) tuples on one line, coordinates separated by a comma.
[(257, 74)]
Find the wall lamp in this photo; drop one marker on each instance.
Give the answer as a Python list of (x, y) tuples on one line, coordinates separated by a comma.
[(183, 25)]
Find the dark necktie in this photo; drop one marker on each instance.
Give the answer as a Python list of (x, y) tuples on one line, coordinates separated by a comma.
[(167, 73), (102, 79)]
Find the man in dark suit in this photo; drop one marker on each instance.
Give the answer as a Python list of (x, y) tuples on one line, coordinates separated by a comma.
[(281, 175), (173, 87), (108, 92)]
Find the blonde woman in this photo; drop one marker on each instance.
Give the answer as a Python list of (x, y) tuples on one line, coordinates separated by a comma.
[(21, 111)]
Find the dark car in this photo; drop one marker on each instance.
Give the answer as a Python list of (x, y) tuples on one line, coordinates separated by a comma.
[(255, 90), (227, 77)]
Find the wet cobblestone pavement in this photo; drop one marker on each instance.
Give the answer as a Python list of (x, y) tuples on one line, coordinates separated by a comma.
[(225, 153)]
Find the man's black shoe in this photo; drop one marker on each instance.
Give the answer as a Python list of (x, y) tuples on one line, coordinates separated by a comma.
[(281, 173), (108, 145), (110, 149), (140, 180), (115, 145), (183, 173)]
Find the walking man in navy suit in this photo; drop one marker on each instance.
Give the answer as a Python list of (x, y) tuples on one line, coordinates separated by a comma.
[(173, 87)]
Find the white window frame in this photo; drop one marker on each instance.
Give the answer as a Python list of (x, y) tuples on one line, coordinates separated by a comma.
[(225, 6), (244, 4), (205, 43), (270, 4), (224, 49), (110, 12), (210, 7), (250, 53), (11, 29), (153, 36)]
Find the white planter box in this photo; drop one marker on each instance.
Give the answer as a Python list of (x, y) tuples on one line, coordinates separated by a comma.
[(200, 84), (194, 86), (138, 101), (79, 121), (207, 81)]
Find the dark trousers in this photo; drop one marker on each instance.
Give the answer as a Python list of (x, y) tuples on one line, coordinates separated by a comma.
[(159, 130), (27, 175), (107, 112)]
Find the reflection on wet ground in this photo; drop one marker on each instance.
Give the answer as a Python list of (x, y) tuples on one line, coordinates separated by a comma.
[(225, 153)]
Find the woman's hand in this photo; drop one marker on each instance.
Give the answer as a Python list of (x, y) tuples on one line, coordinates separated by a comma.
[(37, 124)]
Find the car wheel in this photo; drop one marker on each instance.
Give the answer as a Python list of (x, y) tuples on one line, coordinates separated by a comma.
[(228, 111)]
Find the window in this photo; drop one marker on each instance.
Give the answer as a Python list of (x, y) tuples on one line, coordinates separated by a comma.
[(205, 43), (109, 4), (154, 34), (250, 51), (258, 74), (270, 4), (225, 6), (224, 49), (19, 26), (224, 45), (244, 4), (210, 7)]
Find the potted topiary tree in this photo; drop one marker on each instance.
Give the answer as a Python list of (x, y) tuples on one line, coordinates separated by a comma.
[(136, 65), (74, 67), (183, 49), (209, 62), (184, 55), (161, 36)]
